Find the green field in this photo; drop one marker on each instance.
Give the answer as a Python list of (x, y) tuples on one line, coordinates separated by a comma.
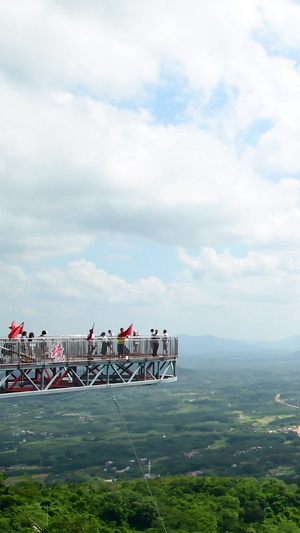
[(220, 419)]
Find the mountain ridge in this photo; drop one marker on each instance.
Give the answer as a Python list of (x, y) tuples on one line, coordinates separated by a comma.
[(190, 343)]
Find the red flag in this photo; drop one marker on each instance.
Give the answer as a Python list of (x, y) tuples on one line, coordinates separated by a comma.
[(127, 332), (91, 334), (15, 330)]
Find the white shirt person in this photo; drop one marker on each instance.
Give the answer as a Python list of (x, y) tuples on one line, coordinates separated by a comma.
[(165, 339)]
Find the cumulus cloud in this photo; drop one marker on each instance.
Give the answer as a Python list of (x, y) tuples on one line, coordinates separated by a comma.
[(83, 279), (259, 282), (93, 150)]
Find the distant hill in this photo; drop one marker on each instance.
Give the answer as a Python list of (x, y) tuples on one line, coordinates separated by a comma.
[(209, 343), (288, 343)]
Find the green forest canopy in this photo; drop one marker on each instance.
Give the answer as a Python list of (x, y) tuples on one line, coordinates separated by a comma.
[(174, 504)]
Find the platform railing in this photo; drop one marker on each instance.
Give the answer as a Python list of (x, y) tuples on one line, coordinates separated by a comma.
[(57, 349)]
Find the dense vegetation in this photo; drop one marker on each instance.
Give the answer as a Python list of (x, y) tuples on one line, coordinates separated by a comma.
[(174, 504)]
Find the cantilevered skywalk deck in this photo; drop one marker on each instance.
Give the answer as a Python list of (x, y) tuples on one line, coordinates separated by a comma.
[(60, 364)]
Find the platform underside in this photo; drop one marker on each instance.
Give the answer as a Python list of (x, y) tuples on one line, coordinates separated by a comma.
[(37, 378)]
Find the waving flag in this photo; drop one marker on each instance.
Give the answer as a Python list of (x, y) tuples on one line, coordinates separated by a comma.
[(127, 332), (12, 326), (15, 330)]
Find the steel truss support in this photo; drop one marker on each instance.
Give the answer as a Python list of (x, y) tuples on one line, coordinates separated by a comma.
[(34, 378)]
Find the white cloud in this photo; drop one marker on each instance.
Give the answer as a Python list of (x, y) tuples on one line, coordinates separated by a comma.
[(13, 280), (258, 278), (82, 279), (86, 157)]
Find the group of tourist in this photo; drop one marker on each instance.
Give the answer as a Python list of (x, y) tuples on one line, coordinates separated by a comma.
[(155, 337), (106, 340), (110, 341), (27, 346)]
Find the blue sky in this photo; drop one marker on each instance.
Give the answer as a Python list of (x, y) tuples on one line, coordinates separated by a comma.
[(150, 166)]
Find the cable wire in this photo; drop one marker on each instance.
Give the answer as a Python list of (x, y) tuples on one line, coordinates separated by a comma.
[(139, 463)]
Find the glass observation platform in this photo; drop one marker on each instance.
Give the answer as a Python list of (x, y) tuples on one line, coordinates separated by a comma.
[(60, 364)]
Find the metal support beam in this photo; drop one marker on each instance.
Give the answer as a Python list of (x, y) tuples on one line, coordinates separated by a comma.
[(44, 379)]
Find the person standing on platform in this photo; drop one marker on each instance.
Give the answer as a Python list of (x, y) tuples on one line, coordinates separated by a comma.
[(136, 341), (155, 342), (104, 344), (121, 340), (23, 346), (121, 343), (151, 340), (91, 342), (165, 339), (31, 346), (42, 345), (110, 342)]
